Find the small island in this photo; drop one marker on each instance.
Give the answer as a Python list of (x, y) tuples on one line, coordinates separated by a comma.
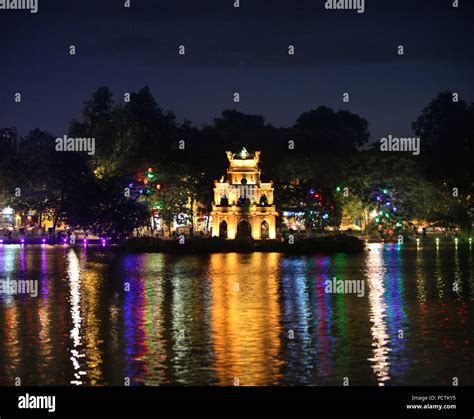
[(326, 244)]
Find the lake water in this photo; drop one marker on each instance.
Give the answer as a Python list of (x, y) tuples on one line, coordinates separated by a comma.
[(254, 319)]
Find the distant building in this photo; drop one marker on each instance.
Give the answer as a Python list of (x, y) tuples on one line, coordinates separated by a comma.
[(243, 205)]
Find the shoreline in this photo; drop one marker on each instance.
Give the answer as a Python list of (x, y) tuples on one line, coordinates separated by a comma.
[(329, 244), (323, 245)]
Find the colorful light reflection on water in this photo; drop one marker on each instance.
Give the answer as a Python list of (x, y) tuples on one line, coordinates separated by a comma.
[(227, 319)]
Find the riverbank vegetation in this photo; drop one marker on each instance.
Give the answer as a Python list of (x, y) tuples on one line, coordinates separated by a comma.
[(325, 166)]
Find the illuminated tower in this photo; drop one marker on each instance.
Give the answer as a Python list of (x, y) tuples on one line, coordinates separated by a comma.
[(243, 205)]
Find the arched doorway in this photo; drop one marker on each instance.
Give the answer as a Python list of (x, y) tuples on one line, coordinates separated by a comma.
[(264, 230), (223, 230), (243, 230)]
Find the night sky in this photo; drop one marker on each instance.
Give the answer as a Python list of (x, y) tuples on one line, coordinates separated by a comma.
[(236, 50)]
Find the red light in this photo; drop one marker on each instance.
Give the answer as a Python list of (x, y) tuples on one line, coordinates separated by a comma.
[(158, 186), (150, 169)]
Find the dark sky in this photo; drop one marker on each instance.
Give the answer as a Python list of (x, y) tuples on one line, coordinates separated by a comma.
[(236, 50)]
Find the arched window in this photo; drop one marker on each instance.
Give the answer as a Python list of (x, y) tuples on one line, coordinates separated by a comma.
[(224, 201), (263, 200), (264, 230)]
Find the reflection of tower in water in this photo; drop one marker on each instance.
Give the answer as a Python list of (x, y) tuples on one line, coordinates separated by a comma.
[(246, 318)]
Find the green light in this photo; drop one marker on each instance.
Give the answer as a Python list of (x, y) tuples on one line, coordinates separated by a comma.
[(338, 189), (149, 175), (385, 191)]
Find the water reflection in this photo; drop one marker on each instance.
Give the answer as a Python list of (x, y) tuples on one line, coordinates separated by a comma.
[(420, 278), (375, 272), (246, 326), (323, 316), (135, 338), (396, 318), (44, 316), (237, 319), (77, 353), (296, 321), (458, 283), (91, 289), (439, 278)]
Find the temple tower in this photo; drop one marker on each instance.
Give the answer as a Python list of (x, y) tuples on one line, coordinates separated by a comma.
[(243, 205)]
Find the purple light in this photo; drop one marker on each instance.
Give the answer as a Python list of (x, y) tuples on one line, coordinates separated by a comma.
[(379, 198), (44, 240), (388, 204), (395, 209), (65, 241), (22, 241), (131, 185)]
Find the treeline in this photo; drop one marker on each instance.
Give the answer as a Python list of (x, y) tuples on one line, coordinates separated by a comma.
[(324, 165)]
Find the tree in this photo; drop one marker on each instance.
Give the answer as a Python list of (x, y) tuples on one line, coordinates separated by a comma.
[(446, 129), (36, 187), (382, 182), (99, 121), (145, 132)]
